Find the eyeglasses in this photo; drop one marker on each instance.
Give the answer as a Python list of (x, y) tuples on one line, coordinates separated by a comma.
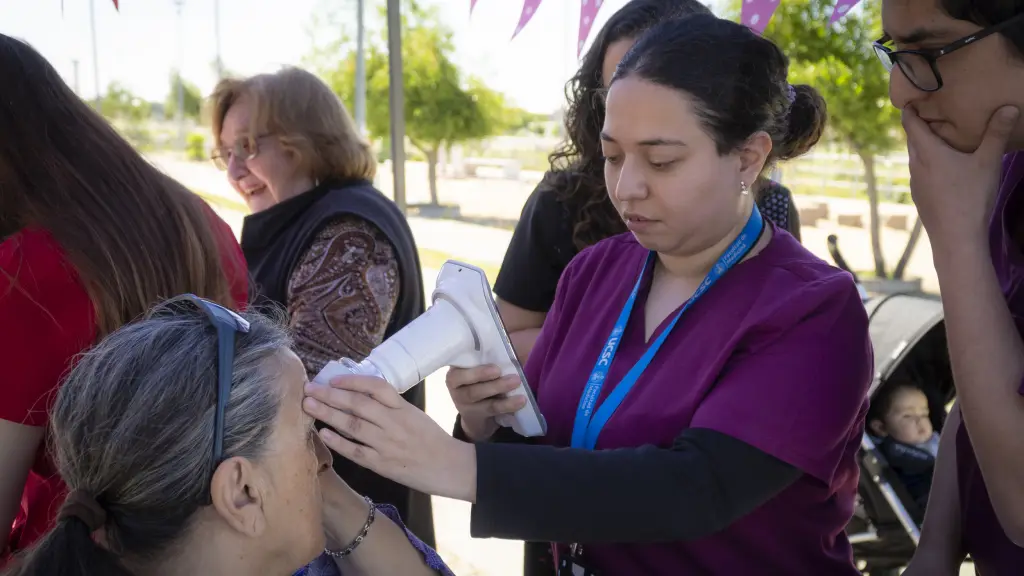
[(227, 324), (245, 148), (921, 66)]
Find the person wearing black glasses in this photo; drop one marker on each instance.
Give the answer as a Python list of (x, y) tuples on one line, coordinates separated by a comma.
[(185, 450), (957, 73)]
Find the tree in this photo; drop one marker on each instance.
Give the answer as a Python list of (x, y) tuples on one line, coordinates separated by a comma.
[(193, 98), (120, 103), (840, 64), (441, 108)]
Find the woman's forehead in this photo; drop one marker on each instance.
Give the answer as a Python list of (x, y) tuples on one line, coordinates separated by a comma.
[(291, 377), (641, 111)]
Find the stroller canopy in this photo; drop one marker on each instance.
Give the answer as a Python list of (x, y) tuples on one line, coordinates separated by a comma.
[(896, 324)]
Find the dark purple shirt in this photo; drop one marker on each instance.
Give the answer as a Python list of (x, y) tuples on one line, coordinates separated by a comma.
[(325, 566), (983, 537), (776, 354)]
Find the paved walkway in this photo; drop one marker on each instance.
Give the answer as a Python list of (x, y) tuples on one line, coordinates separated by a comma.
[(503, 199)]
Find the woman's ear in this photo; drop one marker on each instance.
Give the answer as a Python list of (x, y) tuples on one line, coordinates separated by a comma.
[(238, 493), (324, 458), (753, 155)]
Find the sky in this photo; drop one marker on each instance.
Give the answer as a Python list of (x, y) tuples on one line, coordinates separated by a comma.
[(139, 46)]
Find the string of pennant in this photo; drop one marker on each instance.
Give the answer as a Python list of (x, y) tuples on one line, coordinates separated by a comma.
[(755, 14), (588, 12)]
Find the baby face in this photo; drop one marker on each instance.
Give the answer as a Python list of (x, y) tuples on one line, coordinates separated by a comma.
[(907, 420)]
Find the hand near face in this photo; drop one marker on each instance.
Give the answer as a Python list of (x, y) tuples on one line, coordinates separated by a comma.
[(373, 426), (955, 191)]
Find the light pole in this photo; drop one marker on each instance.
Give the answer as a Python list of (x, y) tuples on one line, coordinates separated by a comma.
[(179, 113), (360, 69), (396, 99), (95, 52), (216, 35)]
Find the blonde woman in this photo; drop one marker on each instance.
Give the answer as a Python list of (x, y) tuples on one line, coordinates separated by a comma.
[(321, 241)]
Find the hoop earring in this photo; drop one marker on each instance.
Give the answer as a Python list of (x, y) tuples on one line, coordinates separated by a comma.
[(744, 189)]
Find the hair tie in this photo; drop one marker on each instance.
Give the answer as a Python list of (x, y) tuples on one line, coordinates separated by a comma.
[(83, 506), (791, 94)]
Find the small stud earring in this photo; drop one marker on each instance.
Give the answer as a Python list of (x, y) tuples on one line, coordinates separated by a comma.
[(743, 188)]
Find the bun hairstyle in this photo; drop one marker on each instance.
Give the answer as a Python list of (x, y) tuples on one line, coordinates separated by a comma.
[(737, 79), (805, 122)]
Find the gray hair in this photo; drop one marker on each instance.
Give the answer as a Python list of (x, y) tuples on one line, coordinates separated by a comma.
[(133, 426)]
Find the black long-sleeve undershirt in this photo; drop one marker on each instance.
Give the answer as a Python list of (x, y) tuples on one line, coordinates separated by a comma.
[(706, 481)]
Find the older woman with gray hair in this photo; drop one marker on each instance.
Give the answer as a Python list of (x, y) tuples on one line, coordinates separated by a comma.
[(185, 449)]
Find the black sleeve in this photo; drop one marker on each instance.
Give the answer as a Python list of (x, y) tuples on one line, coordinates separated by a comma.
[(540, 249), (704, 483)]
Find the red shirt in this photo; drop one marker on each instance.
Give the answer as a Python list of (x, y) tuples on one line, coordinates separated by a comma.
[(48, 319)]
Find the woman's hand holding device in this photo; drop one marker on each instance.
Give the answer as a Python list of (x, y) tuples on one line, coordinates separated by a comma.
[(480, 395)]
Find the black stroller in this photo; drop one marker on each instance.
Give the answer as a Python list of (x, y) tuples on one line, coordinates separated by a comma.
[(909, 341)]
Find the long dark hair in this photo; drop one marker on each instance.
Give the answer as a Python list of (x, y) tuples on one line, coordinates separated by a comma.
[(134, 235), (577, 167)]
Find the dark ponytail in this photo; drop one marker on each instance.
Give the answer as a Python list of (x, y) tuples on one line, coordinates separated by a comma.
[(67, 550), (804, 123)]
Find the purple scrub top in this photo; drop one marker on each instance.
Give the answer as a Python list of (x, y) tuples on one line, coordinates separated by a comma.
[(983, 537), (775, 354)]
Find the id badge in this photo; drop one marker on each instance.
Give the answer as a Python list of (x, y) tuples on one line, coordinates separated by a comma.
[(572, 564)]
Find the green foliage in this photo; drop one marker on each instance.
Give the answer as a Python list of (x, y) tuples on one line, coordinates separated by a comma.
[(840, 63), (193, 98), (137, 134), (121, 104), (441, 107), (517, 120), (195, 147)]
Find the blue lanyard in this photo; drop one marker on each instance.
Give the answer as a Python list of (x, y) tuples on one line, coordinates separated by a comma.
[(588, 425)]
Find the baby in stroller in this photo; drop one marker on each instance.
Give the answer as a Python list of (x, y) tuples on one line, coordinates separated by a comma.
[(899, 419)]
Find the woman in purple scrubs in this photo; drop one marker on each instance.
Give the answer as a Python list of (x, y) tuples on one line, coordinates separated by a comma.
[(703, 376), (958, 75)]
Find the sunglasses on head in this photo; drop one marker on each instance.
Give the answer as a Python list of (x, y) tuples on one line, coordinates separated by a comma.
[(227, 323)]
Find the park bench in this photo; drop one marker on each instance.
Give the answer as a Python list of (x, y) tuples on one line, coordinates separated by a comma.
[(510, 168)]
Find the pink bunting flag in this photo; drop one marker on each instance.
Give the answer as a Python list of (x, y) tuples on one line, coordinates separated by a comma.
[(118, 8), (529, 9), (472, 4), (588, 12), (756, 13), (842, 7)]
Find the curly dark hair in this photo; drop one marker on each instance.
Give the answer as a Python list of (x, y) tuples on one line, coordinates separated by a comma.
[(577, 167)]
